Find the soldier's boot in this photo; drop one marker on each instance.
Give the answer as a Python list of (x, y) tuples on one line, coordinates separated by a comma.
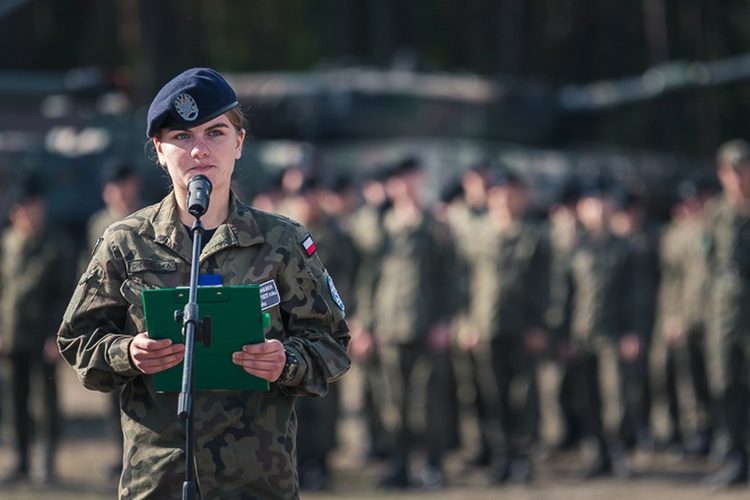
[(47, 473), (499, 470), (700, 443), (431, 476), (601, 465), (483, 457), (397, 477), (20, 472), (733, 473)]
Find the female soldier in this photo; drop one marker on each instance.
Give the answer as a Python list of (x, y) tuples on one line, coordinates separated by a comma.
[(245, 440)]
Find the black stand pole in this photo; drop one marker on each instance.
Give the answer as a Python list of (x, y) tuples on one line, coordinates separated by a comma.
[(190, 323)]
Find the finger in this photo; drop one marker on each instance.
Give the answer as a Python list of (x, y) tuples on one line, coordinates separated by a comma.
[(151, 366), (150, 344), (269, 346), (254, 363), (160, 352), (260, 367)]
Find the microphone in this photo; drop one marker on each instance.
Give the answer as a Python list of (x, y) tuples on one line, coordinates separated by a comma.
[(198, 195)]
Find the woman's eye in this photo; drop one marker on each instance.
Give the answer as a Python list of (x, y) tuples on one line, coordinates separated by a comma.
[(181, 136), (215, 133)]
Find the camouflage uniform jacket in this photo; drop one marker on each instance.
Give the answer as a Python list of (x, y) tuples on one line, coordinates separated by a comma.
[(338, 254), (366, 231), (683, 252), (509, 280), (35, 280), (602, 300), (729, 265), (244, 440), (415, 280)]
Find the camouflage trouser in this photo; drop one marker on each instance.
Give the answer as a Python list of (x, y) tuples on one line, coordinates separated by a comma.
[(317, 424), (687, 386), (730, 362), (422, 405), (507, 381), (611, 397), (32, 401)]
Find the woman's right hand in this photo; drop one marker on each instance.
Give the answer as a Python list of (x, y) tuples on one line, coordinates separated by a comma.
[(152, 356)]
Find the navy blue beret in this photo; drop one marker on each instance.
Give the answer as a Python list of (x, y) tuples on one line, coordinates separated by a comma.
[(190, 99)]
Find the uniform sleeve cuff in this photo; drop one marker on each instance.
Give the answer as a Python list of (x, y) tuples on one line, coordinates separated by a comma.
[(119, 358), (299, 376)]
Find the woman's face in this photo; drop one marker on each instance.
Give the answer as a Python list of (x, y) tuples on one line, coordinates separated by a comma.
[(209, 149)]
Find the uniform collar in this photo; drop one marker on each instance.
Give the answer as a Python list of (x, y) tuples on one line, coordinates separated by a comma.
[(239, 229)]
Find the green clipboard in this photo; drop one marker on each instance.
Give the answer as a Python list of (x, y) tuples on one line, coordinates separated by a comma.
[(236, 320)]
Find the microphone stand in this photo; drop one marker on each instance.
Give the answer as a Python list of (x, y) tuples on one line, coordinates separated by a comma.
[(190, 325)]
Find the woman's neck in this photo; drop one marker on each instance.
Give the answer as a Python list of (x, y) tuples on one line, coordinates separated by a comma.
[(217, 213)]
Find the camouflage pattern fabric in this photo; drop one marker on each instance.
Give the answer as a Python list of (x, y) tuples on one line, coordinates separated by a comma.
[(416, 280), (35, 280), (245, 440), (602, 289), (729, 340), (510, 280)]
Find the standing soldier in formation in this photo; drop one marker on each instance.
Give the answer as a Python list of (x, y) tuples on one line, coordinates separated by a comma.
[(121, 193), (682, 298), (466, 217), (604, 337), (729, 261), (563, 233), (35, 278), (318, 419), (630, 222), (508, 299), (366, 231), (412, 312)]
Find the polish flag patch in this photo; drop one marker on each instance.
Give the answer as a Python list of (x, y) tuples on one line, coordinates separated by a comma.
[(308, 245)]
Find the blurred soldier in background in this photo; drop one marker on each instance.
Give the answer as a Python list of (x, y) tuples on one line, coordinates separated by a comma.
[(682, 301), (509, 295), (318, 419), (563, 233), (630, 222), (412, 311), (121, 193), (36, 264), (366, 231), (465, 213), (604, 338), (729, 265)]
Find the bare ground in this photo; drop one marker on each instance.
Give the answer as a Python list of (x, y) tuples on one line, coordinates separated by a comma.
[(87, 453)]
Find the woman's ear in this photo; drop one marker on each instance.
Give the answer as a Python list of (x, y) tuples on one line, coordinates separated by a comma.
[(159, 154), (240, 142)]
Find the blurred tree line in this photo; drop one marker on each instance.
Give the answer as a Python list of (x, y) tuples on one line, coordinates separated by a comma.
[(549, 43)]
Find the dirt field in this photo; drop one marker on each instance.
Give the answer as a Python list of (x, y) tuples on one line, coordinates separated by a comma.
[(87, 453)]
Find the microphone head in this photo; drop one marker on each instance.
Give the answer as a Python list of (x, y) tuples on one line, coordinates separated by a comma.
[(198, 195)]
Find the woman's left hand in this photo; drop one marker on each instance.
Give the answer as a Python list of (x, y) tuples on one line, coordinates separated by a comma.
[(265, 360)]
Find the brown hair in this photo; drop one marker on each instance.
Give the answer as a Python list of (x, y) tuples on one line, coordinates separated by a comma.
[(235, 116)]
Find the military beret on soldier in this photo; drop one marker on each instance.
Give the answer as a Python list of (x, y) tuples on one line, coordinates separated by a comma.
[(190, 99), (734, 153), (596, 188), (504, 177), (29, 187), (570, 191), (451, 190), (407, 165), (117, 170)]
